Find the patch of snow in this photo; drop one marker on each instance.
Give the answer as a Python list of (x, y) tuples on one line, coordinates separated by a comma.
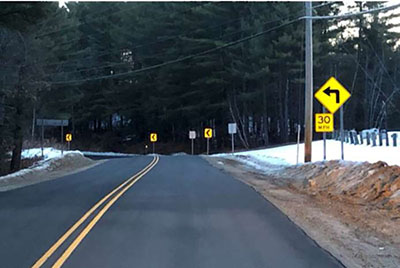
[(179, 154), (286, 155), (48, 153), (87, 153), (50, 157)]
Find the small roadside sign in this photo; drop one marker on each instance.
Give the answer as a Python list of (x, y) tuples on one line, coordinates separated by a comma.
[(51, 122), (68, 137), (324, 122), (232, 131), (192, 135), (332, 95), (208, 133), (232, 128), (153, 137)]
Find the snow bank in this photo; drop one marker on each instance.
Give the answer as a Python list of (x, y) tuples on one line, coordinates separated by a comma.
[(49, 160), (110, 154), (286, 155), (48, 153)]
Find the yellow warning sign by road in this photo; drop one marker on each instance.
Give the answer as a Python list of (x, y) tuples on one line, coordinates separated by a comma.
[(332, 95), (324, 122), (208, 133), (153, 137), (68, 137)]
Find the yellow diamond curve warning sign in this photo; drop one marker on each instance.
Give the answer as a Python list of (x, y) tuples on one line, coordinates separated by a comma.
[(332, 95), (324, 122), (153, 137)]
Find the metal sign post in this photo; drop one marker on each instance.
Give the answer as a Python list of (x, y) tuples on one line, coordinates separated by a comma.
[(192, 136), (41, 140), (341, 133), (324, 136), (68, 138), (62, 140), (153, 139), (298, 143), (232, 131), (52, 123), (208, 136)]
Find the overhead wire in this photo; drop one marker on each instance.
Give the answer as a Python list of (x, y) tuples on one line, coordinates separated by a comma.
[(221, 36), (178, 59), (119, 50), (184, 57), (98, 18)]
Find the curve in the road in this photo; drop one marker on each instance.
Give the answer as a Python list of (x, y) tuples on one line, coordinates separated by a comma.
[(117, 192)]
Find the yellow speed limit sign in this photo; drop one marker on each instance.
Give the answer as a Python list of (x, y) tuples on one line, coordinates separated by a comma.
[(153, 137), (68, 137), (324, 122)]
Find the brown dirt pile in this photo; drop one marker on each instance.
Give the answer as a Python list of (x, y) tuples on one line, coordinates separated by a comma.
[(360, 183)]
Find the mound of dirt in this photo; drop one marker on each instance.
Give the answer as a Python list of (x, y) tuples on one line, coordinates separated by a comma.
[(362, 183), (46, 170)]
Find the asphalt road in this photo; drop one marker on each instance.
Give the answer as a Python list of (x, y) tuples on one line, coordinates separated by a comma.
[(182, 213)]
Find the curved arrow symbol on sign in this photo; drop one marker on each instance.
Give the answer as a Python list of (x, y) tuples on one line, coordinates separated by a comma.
[(328, 92)]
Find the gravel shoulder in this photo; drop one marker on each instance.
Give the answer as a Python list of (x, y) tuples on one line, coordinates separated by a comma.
[(52, 169), (359, 234)]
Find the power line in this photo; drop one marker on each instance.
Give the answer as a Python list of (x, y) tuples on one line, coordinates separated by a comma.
[(109, 15), (343, 16), (125, 63), (118, 50), (179, 59)]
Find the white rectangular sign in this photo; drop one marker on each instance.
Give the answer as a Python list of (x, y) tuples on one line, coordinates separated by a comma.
[(232, 128), (192, 135), (51, 122)]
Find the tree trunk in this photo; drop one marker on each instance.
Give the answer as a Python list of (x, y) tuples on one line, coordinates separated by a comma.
[(264, 130), (17, 133), (285, 131)]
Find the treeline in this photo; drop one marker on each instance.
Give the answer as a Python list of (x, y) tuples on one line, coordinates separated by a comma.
[(119, 71)]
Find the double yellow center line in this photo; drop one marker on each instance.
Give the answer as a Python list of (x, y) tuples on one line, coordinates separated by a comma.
[(117, 192)]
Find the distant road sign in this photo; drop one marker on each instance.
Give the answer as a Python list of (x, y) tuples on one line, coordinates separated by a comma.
[(153, 137), (324, 122), (51, 122), (208, 133), (332, 95), (192, 135), (68, 137), (232, 128)]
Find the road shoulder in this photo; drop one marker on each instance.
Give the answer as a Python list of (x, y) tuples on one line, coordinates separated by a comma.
[(344, 230), (69, 164)]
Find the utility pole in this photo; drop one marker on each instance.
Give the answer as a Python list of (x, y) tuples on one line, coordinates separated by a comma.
[(308, 117)]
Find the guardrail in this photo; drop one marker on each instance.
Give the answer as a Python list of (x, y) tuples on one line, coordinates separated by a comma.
[(369, 138)]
